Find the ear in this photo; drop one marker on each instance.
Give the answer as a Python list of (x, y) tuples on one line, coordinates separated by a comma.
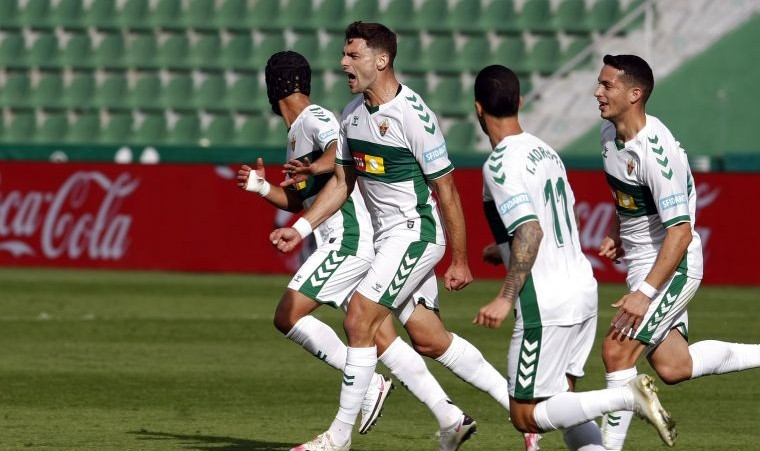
[(382, 60), (635, 94), (478, 109), (520, 105)]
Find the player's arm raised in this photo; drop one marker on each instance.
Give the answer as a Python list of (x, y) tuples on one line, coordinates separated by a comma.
[(458, 275), (254, 179), (302, 170)]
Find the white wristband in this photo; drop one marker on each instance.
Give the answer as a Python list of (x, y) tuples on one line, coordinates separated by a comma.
[(303, 227), (648, 290), (257, 184)]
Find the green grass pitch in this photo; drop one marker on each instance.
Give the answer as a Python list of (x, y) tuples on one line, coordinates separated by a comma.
[(100, 360)]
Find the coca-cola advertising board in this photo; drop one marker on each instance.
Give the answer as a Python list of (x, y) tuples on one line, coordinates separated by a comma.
[(194, 218)]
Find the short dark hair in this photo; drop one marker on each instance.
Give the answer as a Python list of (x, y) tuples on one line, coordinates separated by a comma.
[(497, 89), (286, 73), (635, 70), (378, 37)]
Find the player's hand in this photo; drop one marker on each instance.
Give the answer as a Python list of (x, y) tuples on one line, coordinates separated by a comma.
[(492, 255), (493, 314), (285, 239), (631, 310), (611, 249), (298, 171), (253, 179), (457, 276)]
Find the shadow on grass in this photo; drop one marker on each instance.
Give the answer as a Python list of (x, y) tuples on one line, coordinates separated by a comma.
[(212, 442)]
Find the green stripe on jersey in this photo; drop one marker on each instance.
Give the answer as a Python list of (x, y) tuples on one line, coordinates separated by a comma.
[(394, 164), (425, 210), (527, 364), (521, 221), (665, 304), (351, 230), (632, 200), (412, 255), (531, 314), (318, 278)]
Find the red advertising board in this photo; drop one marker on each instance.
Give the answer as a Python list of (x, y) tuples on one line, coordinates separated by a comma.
[(194, 218)]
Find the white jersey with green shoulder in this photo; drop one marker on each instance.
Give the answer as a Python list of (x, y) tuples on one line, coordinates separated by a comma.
[(527, 181), (653, 189), (349, 229), (396, 148)]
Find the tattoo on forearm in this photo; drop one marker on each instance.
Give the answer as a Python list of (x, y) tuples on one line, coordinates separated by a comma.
[(524, 250)]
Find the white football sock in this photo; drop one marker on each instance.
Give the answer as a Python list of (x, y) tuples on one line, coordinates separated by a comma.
[(464, 360), (360, 367), (584, 437), (320, 340), (615, 424), (410, 369), (570, 409), (718, 357)]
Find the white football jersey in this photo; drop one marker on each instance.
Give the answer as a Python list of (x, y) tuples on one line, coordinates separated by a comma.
[(653, 189), (396, 148), (349, 229), (526, 181)]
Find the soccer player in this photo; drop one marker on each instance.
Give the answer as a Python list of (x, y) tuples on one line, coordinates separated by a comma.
[(654, 234), (391, 140), (529, 204), (345, 249)]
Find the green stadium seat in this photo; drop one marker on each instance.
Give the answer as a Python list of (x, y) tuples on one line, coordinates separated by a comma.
[(398, 16), (604, 14), (307, 44), (330, 16), (364, 10), (220, 131), (80, 93), (237, 54), (21, 129), (277, 135), (536, 17), (36, 14), (245, 95), (409, 54), (526, 84), (417, 83), (110, 53), (200, 15), (174, 52), (142, 52), (68, 14), (147, 92), (78, 51), (9, 16), (211, 93), (135, 15), (102, 14), (296, 15), (270, 44), (205, 53), (265, 16), (53, 128), (433, 16), (460, 137), (544, 57), (44, 52), (338, 96), (167, 15), (49, 91), (15, 92), (85, 129), (186, 131), (440, 53), (329, 58), (113, 92), (12, 51), (449, 99), (465, 17), (475, 54), (178, 94), (253, 132), (575, 47), (232, 14), (152, 130), (118, 130), (571, 17), (500, 17), (511, 52)]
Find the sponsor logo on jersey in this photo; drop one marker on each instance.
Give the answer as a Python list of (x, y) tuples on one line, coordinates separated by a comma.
[(383, 127), (630, 166), (435, 153), (301, 185), (355, 121), (625, 200), (371, 164), (324, 135), (513, 202), (410, 224), (673, 200)]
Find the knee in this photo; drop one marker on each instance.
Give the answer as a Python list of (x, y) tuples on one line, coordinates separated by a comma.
[(283, 321), (672, 374), (617, 357), (522, 420), (432, 347)]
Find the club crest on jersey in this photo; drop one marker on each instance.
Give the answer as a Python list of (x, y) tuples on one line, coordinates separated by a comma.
[(630, 166), (383, 127), (355, 121), (293, 143), (370, 164)]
